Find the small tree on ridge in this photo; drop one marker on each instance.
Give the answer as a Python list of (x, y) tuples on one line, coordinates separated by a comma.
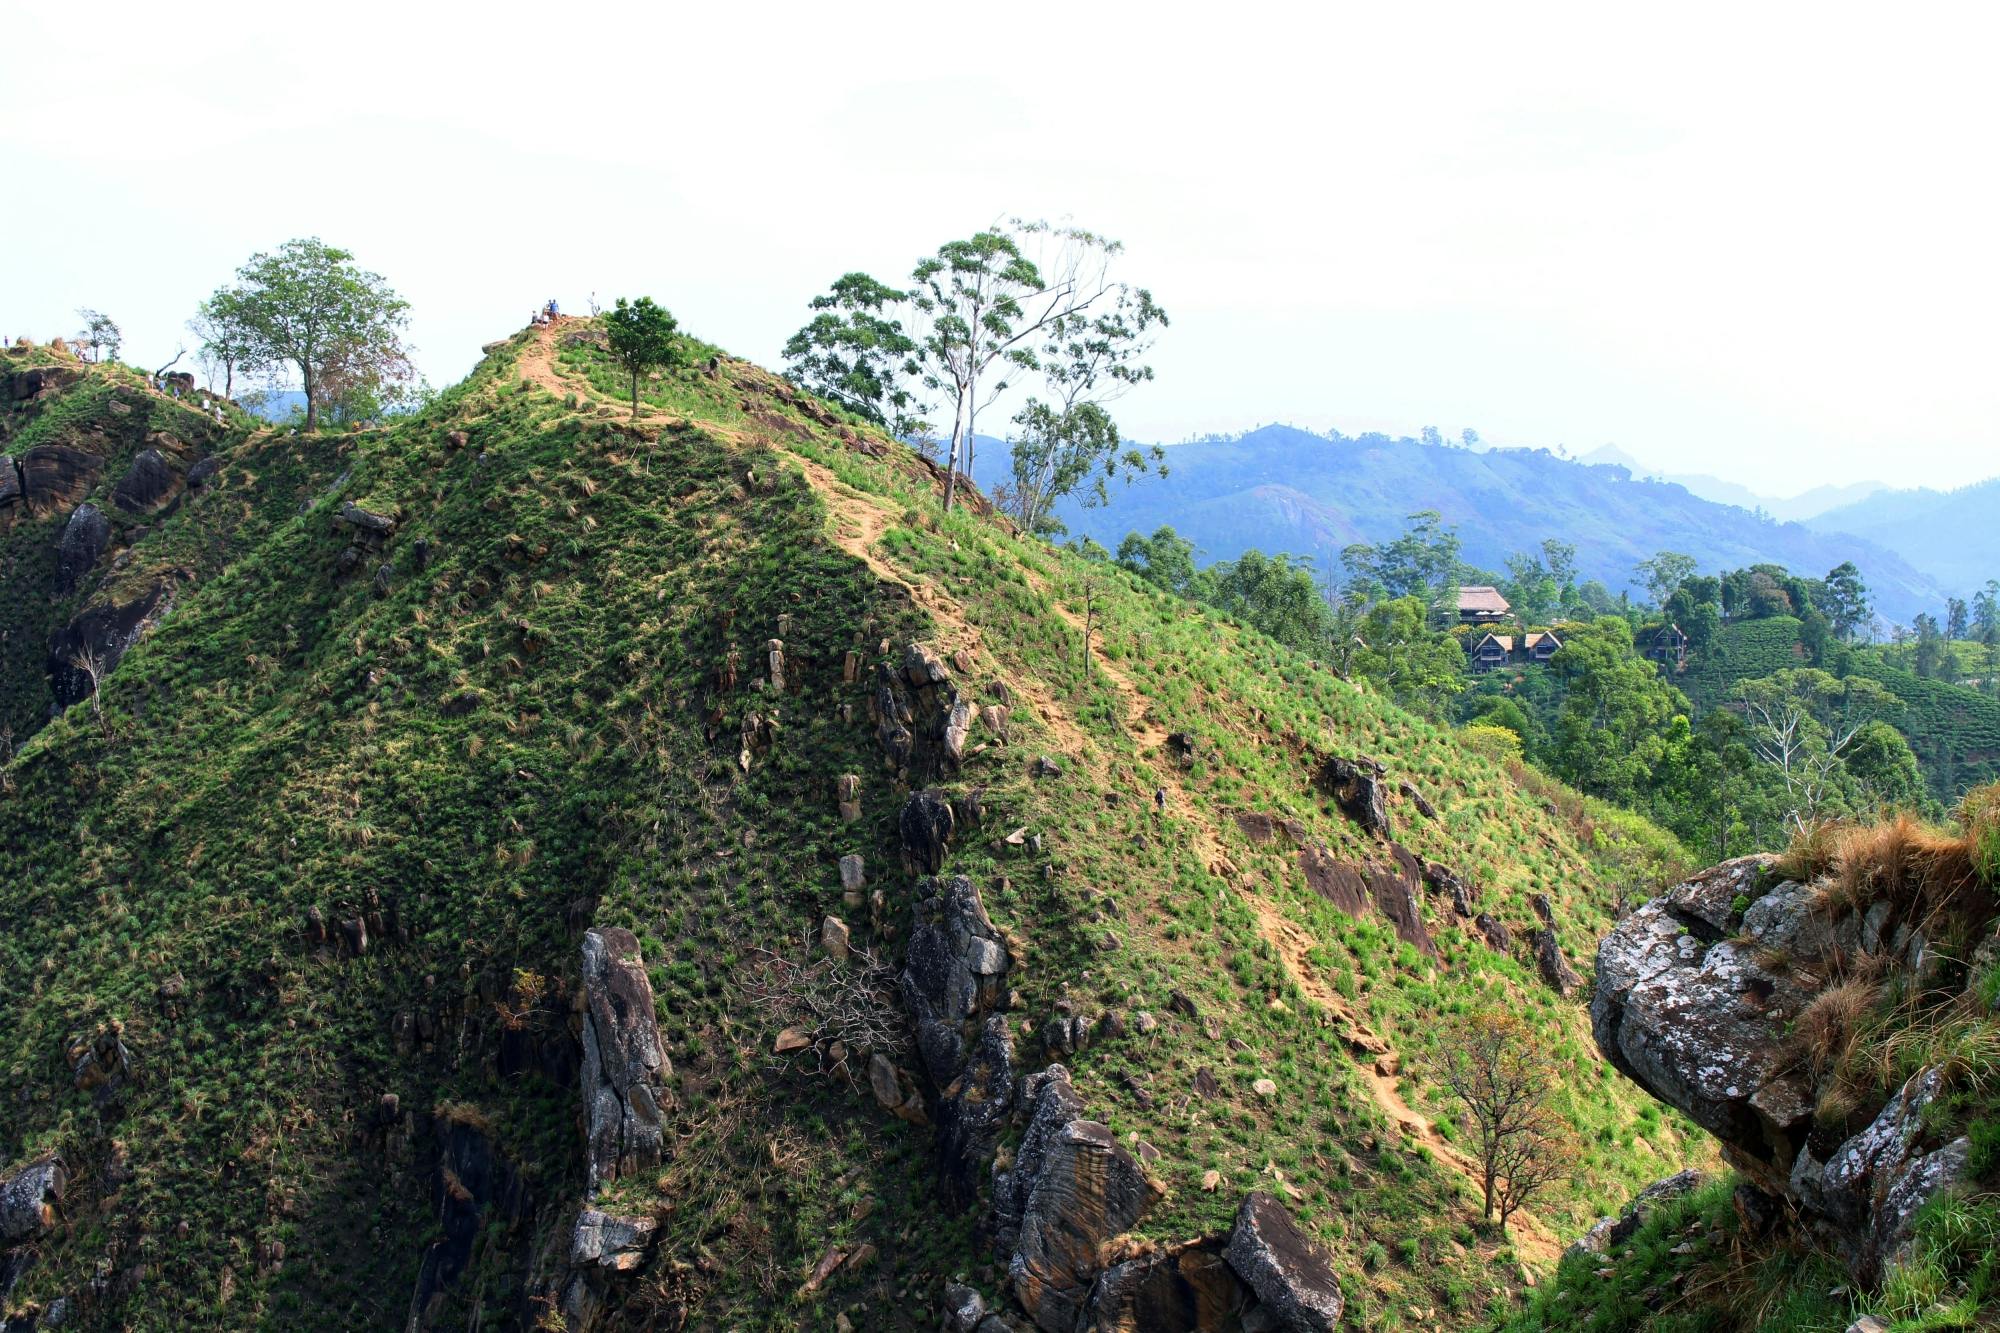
[(644, 337)]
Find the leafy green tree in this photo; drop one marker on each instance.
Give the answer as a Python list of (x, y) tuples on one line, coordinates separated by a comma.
[(1957, 621), (1559, 558), (1422, 562), (1930, 645), (1057, 451), (1500, 711), (1531, 590), (987, 303), (308, 306), (1611, 736), (1662, 574), (1275, 594), (99, 335), (1166, 560), (1881, 761), (644, 337), (854, 354), (228, 345), (1417, 666)]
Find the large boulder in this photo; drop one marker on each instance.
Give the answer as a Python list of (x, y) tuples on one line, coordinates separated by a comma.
[(1684, 1007), (83, 541), (148, 484), (1294, 1282), (55, 477), (86, 650), (29, 1199), (624, 1065), (1085, 1190), (1356, 787), (10, 482), (1697, 996), (1554, 967), (1612, 1231)]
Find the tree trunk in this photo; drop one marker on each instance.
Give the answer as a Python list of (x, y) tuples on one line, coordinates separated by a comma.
[(635, 395), (312, 398), (960, 429)]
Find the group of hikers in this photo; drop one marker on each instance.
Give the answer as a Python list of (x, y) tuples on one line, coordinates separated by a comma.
[(546, 314)]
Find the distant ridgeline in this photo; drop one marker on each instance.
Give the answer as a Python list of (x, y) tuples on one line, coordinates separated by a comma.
[(1279, 488)]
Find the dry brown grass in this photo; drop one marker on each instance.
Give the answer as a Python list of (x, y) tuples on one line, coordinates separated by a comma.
[(1829, 1027), (1811, 852)]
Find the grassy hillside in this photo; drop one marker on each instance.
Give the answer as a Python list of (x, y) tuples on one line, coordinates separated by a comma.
[(541, 703)]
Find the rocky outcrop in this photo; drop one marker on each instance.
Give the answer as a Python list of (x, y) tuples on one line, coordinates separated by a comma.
[(91, 645), (1697, 996), (925, 827), (624, 1066), (149, 483), (954, 986), (1874, 1184), (1550, 962), (601, 1246), (1294, 1283), (10, 482), (1072, 1188), (471, 1185), (1684, 1008), (55, 477), (84, 538), (1356, 786), (30, 1198), (1612, 1231), (1185, 1288), (1393, 888)]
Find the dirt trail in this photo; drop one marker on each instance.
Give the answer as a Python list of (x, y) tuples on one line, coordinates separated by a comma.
[(1530, 1236)]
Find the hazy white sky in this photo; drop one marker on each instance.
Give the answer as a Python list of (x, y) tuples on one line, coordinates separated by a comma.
[(1752, 240)]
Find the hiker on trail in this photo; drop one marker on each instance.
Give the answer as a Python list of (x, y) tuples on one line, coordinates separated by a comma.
[(552, 311)]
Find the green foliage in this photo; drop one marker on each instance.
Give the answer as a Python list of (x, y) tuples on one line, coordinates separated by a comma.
[(643, 337), (855, 355), (308, 305)]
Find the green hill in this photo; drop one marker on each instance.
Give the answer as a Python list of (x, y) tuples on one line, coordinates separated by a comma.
[(293, 921)]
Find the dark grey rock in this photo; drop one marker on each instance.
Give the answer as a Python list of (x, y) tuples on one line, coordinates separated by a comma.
[(1291, 1276)]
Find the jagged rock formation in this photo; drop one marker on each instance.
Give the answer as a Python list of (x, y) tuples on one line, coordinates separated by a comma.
[(1291, 1278), (1697, 996), (1394, 889), (1356, 786), (624, 1066)]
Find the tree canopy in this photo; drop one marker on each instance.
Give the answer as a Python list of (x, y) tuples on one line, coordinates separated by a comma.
[(644, 337), (308, 306)]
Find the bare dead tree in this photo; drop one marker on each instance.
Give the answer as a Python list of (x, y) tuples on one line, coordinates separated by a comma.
[(1488, 1061), (846, 1008), (89, 659)]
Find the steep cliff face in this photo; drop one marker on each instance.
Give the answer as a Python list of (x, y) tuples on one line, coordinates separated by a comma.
[(1828, 1016)]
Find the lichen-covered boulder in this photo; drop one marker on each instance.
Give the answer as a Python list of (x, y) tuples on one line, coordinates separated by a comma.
[(1685, 1009), (29, 1199), (54, 477), (624, 1065), (1873, 1185), (1294, 1282)]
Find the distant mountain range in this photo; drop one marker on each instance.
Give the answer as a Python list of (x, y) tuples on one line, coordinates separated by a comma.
[(1279, 488), (1953, 536), (1785, 508)]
